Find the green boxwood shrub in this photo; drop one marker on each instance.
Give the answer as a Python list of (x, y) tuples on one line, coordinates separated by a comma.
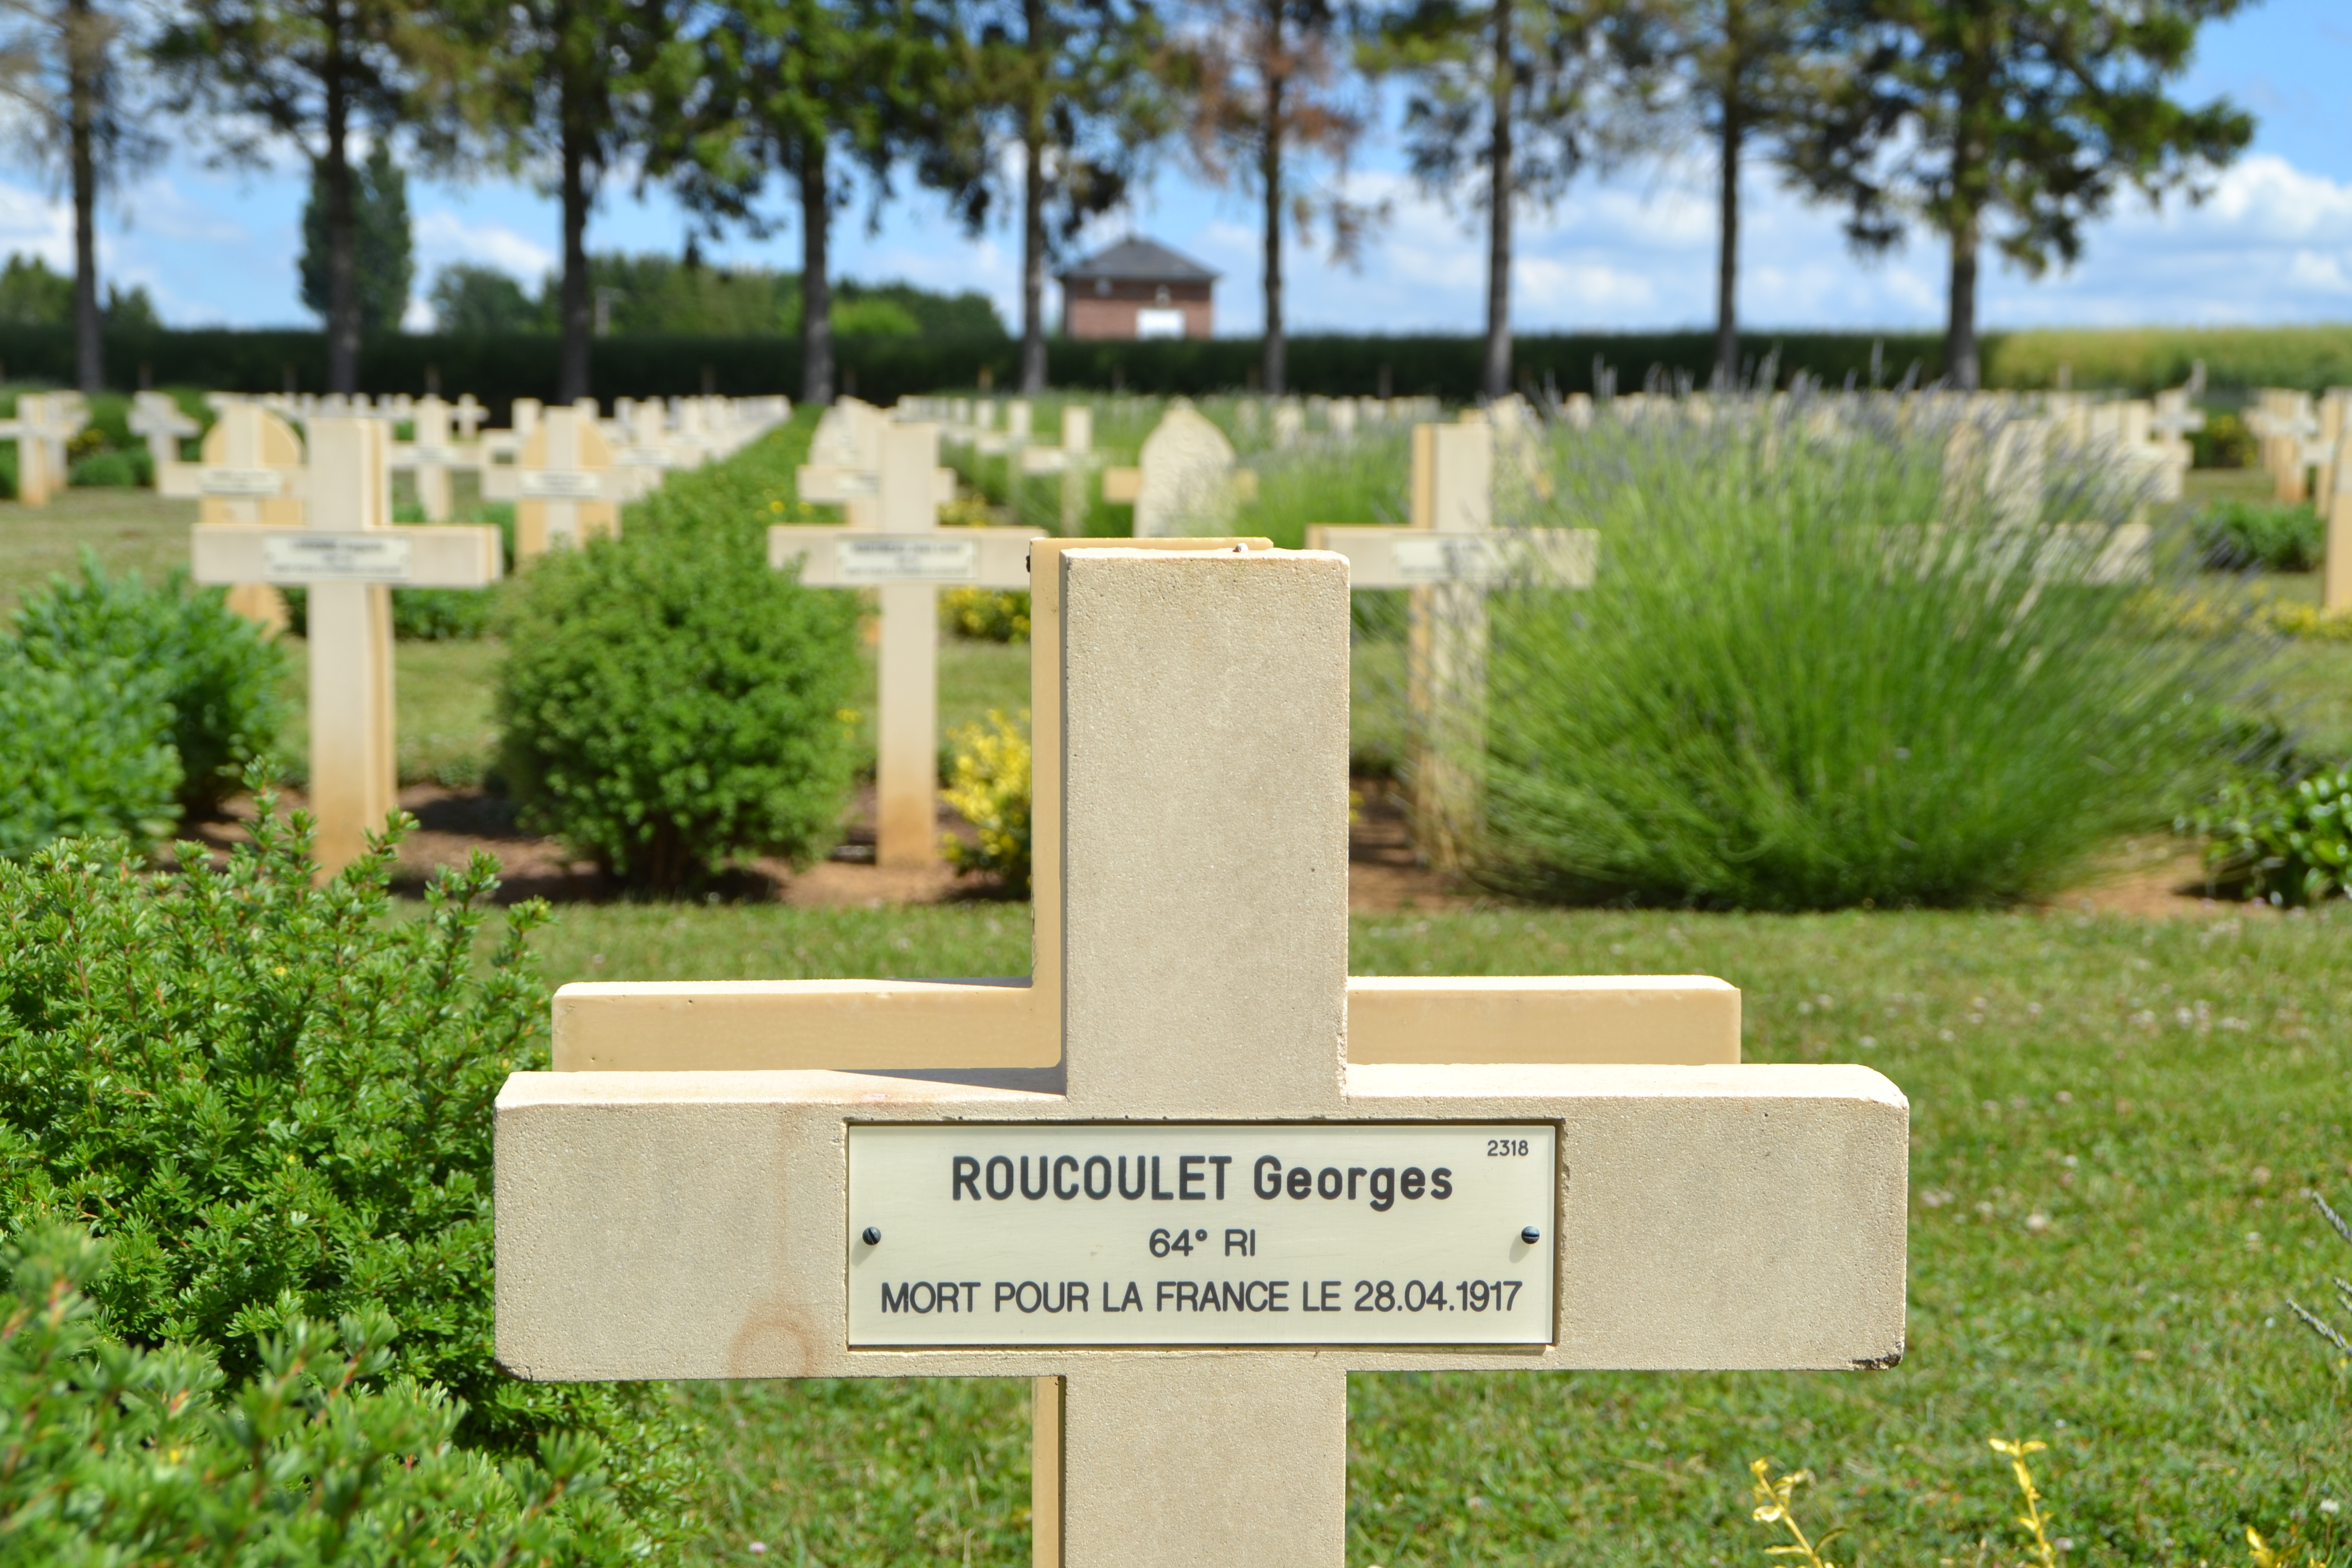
[(132, 468), (273, 1100), (119, 1454), (670, 704), (1785, 690), (84, 753), (2283, 840), (2235, 535), (220, 677)]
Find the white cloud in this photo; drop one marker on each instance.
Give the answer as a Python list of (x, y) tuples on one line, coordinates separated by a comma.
[(33, 223), (443, 236)]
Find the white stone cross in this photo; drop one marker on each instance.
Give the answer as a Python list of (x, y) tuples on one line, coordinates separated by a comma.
[(2284, 420), (248, 471), (906, 557), (563, 481), (817, 1194), (348, 557), (1074, 459), (44, 423), (430, 456), (1450, 557), (1015, 436), (647, 449), (156, 417), (2176, 418), (468, 416)]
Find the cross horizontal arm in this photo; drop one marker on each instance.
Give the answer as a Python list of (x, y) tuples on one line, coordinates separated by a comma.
[(679, 1025), (865, 558), (439, 557), (695, 1224), (508, 481), (751, 1024), (832, 483), (199, 480), (1397, 557)]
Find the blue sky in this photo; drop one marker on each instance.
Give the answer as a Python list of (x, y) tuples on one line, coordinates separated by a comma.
[(1634, 251)]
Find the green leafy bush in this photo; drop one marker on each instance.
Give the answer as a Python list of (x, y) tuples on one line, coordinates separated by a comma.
[(120, 1454), (2283, 840), (273, 1100), (219, 675), (132, 468), (670, 704), (2233, 535), (1786, 690), (84, 753)]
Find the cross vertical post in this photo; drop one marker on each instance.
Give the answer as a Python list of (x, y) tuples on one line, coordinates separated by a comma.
[(355, 776), (906, 720)]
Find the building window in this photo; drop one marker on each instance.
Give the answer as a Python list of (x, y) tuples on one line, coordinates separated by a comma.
[(1161, 297), (1102, 288)]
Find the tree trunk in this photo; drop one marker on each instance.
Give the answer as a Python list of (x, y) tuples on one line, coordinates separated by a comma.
[(576, 310), (1726, 261), (85, 68), (1963, 215), (1960, 366), (1032, 200), (1496, 381), (343, 237), (816, 289), (1275, 364)]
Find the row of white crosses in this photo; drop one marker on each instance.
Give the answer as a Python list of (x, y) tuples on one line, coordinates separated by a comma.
[(885, 473), (2300, 439), (272, 519), (1187, 1175), (272, 515)]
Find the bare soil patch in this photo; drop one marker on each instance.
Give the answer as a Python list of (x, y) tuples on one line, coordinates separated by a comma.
[(1385, 876)]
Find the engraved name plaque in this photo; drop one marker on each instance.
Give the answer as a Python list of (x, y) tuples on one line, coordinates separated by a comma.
[(908, 560), (333, 558), (1174, 1233)]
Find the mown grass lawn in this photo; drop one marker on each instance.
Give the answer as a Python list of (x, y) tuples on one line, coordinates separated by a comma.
[(2114, 1121)]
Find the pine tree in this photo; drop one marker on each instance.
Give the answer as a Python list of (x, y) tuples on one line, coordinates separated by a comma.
[(384, 254)]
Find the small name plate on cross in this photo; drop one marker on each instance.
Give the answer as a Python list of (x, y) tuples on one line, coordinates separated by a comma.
[(333, 558), (559, 484), (1042, 1234), (907, 560), (240, 481)]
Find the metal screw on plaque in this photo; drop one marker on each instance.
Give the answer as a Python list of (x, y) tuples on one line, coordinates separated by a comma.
[(871, 1236), (1531, 1236)]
